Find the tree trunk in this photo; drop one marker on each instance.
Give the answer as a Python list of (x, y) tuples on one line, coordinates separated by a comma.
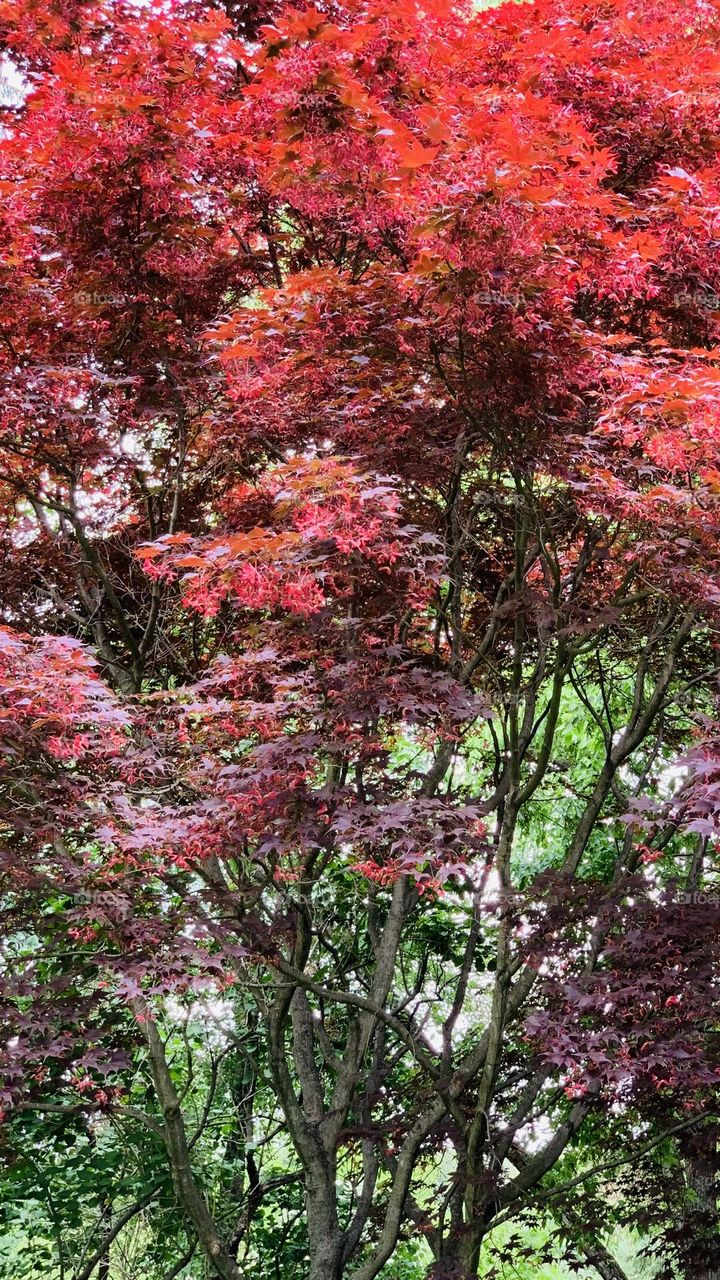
[(703, 1182), (324, 1235), (189, 1195)]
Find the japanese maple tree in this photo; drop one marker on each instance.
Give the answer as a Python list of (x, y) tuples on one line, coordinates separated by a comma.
[(358, 668)]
